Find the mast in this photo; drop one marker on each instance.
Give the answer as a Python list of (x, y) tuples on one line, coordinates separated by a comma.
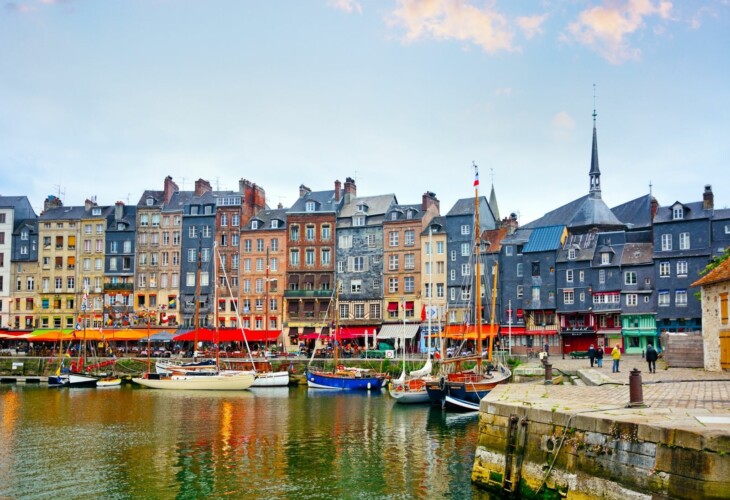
[(196, 316), (430, 290), (266, 306), (215, 304), (494, 303), (477, 271), (336, 312)]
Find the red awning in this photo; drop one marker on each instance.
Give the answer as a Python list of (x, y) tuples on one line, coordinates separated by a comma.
[(352, 332), (504, 331), (261, 335), (228, 335), (392, 306), (409, 305)]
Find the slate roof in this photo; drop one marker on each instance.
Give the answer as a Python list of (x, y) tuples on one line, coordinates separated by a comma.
[(585, 212), (438, 224), (520, 236), (401, 212), (73, 213), (129, 217), (325, 201), (718, 275), (376, 206), (156, 195), (637, 253), (464, 206), (693, 211), (585, 245), (635, 213), (266, 216), (20, 205), (178, 200), (545, 239)]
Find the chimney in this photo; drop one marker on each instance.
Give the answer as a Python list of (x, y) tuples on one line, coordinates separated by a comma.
[(280, 205), (708, 199), (429, 200), (88, 204), (169, 189), (338, 189), (303, 190), (52, 202), (511, 223), (118, 210), (259, 198), (350, 189), (654, 208), (202, 186)]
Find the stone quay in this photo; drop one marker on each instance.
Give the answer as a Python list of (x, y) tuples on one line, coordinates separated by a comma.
[(603, 437)]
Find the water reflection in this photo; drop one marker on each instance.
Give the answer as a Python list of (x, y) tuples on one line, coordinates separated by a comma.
[(266, 442)]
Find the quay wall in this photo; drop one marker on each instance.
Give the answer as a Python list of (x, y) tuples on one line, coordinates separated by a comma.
[(605, 452)]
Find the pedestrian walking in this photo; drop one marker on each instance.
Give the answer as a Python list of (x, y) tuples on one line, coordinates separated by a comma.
[(651, 357), (599, 357), (592, 354), (616, 355)]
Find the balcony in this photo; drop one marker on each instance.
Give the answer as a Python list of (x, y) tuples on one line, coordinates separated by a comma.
[(307, 294), (112, 287)]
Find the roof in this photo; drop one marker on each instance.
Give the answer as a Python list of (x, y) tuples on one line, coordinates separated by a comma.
[(438, 224), (376, 205), (694, 210), (545, 239), (587, 211), (494, 237), (637, 253), (635, 213), (718, 275), (266, 216), (324, 200)]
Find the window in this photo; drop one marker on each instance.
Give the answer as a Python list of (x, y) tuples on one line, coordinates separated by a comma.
[(260, 264), (374, 311), (439, 290), (569, 275), (309, 232), (677, 213), (370, 238), (310, 206), (666, 242), (192, 232), (465, 249), (247, 246), (568, 297), (684, 241), (536, 268), (663, 298), (465, 229), (358, 220), (508, 250), (393, 238), (664, 269), (235, 220), (571, 254), (309, 256), (519, 270), (680, 298), (605, 258), (345, 241), (392, 262), (520, 291), (682, 268), (191, 256), (409, 238), (356, 286), (393, 285), (440, 247), (630, 278), (326, 257), (465, 270), (453, 255), (409, 284), (409, 261), (294, 257), (465, 293), (632, 299), (326, 232), (359, 311), (294, 233), (452, 274)]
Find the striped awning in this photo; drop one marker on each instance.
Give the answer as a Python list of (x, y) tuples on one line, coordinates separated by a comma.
[(398, 331)]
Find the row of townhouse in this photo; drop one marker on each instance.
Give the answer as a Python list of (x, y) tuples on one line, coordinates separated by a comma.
[(582, 274)]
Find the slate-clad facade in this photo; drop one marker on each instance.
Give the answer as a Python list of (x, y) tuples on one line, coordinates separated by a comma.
[(119, 266)]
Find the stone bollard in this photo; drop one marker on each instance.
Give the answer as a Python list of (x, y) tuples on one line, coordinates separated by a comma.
[(548, 373), (636, 394)]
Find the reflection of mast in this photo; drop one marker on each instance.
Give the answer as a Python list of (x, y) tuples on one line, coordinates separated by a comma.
[(215, 303), (196, 319)]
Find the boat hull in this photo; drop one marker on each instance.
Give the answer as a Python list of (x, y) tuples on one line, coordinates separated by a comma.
[(109, 382), (80, 380), (212, 382), (321, 380), (409, 392), (272, 379), (459, 404)]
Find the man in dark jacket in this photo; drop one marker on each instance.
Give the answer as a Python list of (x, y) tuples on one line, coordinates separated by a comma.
[(651, 357), (592, 354)]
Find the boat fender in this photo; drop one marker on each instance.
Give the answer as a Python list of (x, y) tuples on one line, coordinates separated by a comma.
[(341, 367), (369, 386), (442, 383), (73, 366)]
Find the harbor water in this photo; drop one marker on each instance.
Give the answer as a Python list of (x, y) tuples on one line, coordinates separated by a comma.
[(129, 442)]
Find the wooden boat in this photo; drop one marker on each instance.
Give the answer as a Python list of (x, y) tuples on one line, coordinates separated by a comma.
[(110, 381), (462, 390), (342, 377), (215, 381)]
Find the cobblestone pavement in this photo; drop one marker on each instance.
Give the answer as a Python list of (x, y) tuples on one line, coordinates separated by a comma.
[(688, 388)]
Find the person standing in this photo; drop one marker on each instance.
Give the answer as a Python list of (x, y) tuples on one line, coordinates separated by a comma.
[(651, 357), (599, 357), (592, 354), (616, 355)]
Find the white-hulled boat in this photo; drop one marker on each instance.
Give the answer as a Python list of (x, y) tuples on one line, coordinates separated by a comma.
[(215, 381)]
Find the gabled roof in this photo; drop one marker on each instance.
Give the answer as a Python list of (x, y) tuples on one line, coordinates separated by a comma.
[(635, 213), (401, 213), (266, 216), (494, 237), (156, 196), (692, 211), (438, 224), (376, 205), (637, 253), (324, 202), (20, 205), (718, 275), (585, 212), (545, 239)]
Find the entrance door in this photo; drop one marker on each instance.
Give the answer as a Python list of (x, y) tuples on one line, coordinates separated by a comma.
[(725, 349)]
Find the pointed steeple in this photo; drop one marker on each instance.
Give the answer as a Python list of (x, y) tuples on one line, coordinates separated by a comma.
[(493, 204), (595, 173)]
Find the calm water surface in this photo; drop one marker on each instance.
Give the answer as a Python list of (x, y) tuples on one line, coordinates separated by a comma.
[(129, 442)]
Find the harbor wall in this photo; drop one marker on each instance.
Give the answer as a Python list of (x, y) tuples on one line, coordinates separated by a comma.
[(535, 452)]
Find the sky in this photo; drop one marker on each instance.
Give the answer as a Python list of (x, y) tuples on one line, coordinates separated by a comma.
[(107, 98)]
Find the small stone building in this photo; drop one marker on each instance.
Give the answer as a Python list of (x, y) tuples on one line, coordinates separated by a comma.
[(715, 322)]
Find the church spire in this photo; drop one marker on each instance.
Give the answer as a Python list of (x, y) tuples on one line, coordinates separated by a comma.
[(595, 173)]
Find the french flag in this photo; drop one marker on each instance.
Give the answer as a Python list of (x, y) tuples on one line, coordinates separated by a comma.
[(476, 175)]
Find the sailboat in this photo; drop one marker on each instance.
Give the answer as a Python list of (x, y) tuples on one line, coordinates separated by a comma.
[(342, 377), (213, 380), (463, 390), (77, 375)]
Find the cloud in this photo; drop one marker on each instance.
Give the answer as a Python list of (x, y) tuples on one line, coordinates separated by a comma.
[(606, 29), (348, 6), (531, 25), (453, 20), (506, 91), (563, 125)]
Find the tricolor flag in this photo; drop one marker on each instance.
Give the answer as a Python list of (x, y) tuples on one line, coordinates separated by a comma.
[(476, 175)]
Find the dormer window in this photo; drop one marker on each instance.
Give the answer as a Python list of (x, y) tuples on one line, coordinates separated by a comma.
[(254, 224), (605, 258), (275, 224), (150, 202), (194, 209), (571, 254), (393, 215), (96, 211), (120, 227), (409, 214), (677, 212), (358, 220), (310, 206), (362, 207)]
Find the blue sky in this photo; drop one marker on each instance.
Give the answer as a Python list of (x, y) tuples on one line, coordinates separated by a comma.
[(106, 98)]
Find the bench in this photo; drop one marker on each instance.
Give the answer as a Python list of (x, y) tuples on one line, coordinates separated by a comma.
[(579, 354)]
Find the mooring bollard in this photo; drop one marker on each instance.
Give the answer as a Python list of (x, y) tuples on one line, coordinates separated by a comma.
[(548, 373), (636, 394)]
